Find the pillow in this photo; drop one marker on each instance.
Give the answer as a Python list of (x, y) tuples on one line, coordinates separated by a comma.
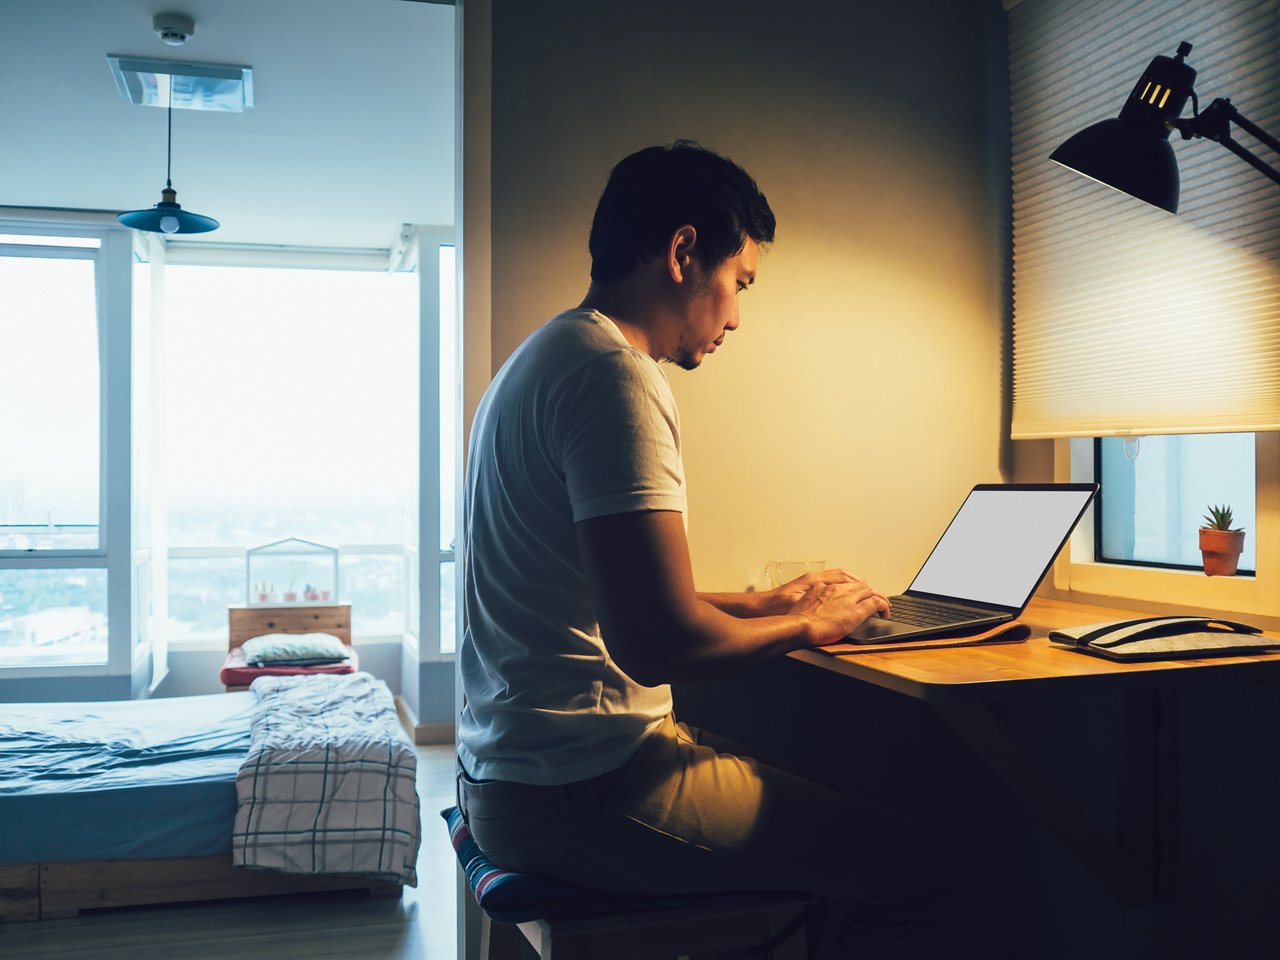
[(294, 646)]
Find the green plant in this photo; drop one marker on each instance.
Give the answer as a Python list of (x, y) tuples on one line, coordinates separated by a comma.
[(1218, 518)]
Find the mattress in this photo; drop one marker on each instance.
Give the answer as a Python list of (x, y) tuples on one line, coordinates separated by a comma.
[(128, 780)]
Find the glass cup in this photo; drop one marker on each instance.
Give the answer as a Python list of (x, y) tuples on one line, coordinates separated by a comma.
[(778, 572)]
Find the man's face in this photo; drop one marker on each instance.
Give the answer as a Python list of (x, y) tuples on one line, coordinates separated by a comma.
[(711, 310)]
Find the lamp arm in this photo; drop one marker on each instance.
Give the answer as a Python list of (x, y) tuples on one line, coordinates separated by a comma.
[(1214, 123)]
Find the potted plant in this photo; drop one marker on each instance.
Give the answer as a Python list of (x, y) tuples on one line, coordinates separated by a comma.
[(1220, 545)]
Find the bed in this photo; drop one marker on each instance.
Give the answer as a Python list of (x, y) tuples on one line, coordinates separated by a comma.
[(126, 803), (245, 623)]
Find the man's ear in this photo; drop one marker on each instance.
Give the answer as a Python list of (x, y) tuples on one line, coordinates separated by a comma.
[(680, 252)]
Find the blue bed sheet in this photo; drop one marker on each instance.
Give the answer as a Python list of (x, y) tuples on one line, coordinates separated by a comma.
[(120, 780)]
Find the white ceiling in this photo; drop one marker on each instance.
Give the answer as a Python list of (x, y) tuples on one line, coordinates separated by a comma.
[(351, 134)]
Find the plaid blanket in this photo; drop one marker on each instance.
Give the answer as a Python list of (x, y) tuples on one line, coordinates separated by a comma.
[(328, 785)]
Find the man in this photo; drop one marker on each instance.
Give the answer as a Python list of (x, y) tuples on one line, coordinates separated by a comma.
[(580, 602)]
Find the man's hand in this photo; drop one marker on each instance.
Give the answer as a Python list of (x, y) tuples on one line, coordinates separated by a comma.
[(781, 599), (659, 630), (835, 608)]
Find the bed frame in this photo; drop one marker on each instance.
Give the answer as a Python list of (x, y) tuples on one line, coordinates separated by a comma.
[(46, 891)]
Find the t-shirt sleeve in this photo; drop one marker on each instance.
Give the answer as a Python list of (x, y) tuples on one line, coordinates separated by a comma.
[(619, 439)]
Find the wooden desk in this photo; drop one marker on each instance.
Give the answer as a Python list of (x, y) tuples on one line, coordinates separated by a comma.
[(1009, 670), (959, 682)]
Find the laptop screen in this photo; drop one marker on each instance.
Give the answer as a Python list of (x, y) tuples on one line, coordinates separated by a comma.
[(1001, 543)]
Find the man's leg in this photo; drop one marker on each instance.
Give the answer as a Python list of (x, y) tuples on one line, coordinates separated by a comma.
[(681, 817), (686, 818)]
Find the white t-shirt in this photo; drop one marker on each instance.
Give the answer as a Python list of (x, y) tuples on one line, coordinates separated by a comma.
[(577, 424)]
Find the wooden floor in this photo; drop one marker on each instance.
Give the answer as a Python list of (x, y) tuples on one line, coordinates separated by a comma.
[(420, 925)]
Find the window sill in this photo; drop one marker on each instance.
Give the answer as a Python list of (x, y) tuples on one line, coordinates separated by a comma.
[(1174, 591)]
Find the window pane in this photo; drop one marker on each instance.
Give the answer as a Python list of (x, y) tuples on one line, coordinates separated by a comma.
[(53, 617), (375, 587), (1153, 504), (49, 422), (292, 404), (200, 591)]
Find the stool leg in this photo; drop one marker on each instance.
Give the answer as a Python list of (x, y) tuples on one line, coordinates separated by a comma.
[(499, 941)]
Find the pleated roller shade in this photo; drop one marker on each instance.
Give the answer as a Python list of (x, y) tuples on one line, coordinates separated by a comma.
[(1129, 319)]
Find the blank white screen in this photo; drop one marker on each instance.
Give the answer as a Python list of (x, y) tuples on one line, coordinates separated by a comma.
[(999, 544)]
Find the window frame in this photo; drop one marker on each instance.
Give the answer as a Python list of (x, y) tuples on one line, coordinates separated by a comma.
[(429, 240), (248, 256), (113, 285), (101, 276), (1152, 564), (1078, 575)]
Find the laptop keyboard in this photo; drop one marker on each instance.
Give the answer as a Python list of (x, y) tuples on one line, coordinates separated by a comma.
[(926, 613)]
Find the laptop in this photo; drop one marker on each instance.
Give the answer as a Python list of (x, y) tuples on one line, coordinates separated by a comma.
[(990, 560)]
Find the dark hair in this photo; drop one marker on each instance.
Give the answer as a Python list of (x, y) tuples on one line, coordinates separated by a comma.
[(658, 189)]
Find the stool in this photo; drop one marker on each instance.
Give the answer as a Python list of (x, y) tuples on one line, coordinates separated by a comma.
[(569, 923)]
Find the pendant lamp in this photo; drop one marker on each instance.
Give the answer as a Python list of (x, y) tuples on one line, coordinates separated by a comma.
[(167, 216)]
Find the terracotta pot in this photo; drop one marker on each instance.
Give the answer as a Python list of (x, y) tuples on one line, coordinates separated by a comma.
[(1221, 551)]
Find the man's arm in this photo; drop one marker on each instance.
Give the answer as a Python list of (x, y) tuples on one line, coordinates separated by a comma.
[(659, 630), (779, 600), (739, 604)]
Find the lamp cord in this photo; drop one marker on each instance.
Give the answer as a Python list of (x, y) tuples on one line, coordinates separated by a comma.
[(168, 157)]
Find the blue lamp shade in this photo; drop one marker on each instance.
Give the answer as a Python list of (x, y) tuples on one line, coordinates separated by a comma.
[(168, 217), (1126, 158)]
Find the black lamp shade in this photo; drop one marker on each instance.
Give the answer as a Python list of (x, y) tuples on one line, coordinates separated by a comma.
[(1132, 152), (1127, 158)]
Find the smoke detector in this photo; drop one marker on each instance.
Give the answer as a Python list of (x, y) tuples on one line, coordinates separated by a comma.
[(175, 29)]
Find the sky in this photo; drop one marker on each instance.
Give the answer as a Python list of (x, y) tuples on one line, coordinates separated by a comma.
[(282, 387)]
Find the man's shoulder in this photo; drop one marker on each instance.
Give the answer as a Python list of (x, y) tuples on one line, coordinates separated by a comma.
[(584, 330), (566, 345)]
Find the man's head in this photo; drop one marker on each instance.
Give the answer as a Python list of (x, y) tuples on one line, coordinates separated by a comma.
[(658, 189), (680, 227)]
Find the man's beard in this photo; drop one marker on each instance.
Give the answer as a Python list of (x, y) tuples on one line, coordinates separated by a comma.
[(684, 361)]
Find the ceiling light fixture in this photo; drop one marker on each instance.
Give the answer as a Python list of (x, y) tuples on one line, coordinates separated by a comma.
[(225, 87), (167, 216)]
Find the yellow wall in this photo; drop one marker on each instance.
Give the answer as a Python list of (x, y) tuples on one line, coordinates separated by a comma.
[(864, 392)]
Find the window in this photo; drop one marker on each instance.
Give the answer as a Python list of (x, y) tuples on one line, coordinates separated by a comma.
[(49, 431), (1155, 491), (64, 289), (292, 411), (1087, 573)]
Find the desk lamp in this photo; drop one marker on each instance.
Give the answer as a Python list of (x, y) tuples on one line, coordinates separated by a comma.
[(1132, 153)]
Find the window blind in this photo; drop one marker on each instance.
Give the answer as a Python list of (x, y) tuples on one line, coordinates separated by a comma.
[(1128, 319)]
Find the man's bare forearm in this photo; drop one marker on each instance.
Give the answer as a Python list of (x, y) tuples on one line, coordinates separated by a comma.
[(736, 604)]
